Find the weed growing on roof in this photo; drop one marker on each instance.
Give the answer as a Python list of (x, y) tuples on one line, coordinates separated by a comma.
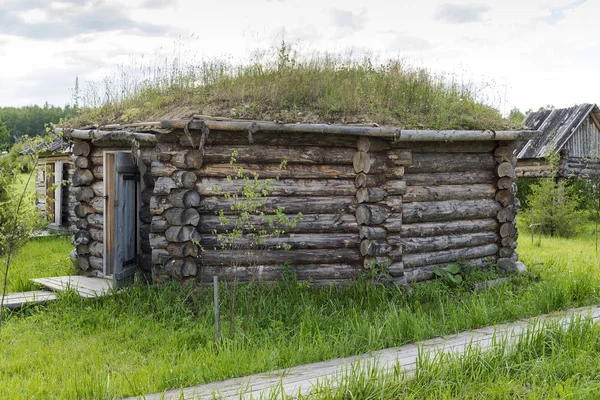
[(288, 86)]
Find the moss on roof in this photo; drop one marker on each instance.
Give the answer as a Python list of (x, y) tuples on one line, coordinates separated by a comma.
[(322, 88)]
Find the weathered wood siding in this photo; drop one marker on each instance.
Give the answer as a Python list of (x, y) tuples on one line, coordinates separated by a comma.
[(582, 152)]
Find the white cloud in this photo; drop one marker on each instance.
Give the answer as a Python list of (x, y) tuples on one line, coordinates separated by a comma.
[(530, 52)]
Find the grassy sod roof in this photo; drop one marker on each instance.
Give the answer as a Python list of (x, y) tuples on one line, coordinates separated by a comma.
[(322, 89)]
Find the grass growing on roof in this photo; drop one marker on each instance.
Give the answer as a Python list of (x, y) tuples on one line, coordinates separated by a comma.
[(288, 86), (150, 339)]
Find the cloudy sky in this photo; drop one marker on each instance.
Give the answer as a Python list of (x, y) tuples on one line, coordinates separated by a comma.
[(528, 53)]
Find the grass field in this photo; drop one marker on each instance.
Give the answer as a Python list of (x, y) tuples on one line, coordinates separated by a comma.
[(150, 339), (40, 257)]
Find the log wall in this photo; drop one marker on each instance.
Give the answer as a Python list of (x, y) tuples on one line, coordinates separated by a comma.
[(400, 207)]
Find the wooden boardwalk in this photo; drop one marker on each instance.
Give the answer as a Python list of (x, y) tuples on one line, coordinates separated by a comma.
[(304, 378), (85, 287), (16, 300)]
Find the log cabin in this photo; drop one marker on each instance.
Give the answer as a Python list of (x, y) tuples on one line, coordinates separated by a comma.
[(150, 198), (573, 133)]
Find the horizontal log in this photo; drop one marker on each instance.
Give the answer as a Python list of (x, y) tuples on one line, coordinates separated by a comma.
[(282, 187), (370, 262), (393, 223), (160, 256), (95, 221), (449, 192), (97, 249), (159, 168), (310, 223), (450, 178), (448, 256), (335, 129), (270, 138), (508, 229), (294, 257), (506, 169), (82, 210), (291, 241), (164, 185), (147, 194), (450, 162), (446, 228), (145, 215), (274, 170), (504, 154), (82, 162), (81, 148), (505, 197), (158, 224), (98, 172), (370, 195), (81, 223), (313, 272), (148, 155), (277, 154), (506, 252), (182, 216), (184, 198), (184, 179), (82, 249), (84, 193), (425, 272), (394, 187), (98, 188), (447, 147), (364, 143), (159, 204), (107, 138), (158, 241), (82, 177), (372, 232), (440, 243), (97, 234), (96, 160), (97, 203), (369, 163), (185, 249), (370, 214), (400, 156), (291, 205), (182, 233), (370, 247), (449, 210), (96, 263), (81, 237), (148, 179)]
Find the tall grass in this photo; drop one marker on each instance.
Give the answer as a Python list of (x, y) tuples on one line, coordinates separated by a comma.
[(288, 86), (553, 362), (150, 339)]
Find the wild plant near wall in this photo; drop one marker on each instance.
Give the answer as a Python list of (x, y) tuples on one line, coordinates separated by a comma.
[(17, 220), (255, 228)]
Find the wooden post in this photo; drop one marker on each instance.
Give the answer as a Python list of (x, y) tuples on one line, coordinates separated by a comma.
[(217, 309)]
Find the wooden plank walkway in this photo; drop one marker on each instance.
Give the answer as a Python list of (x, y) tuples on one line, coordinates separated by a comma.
[(16, 300), (86, 287), (304, 378)]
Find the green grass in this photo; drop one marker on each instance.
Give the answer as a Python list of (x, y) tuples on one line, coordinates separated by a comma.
[(289, 86), (554, 362), (39, 258), (151, 339)]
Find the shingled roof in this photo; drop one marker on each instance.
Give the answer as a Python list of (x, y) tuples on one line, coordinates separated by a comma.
[(557, 127)]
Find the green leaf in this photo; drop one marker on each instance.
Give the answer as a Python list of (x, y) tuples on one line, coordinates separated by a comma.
[(453, 269)]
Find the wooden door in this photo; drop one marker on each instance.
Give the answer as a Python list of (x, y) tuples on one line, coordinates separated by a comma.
[(125, 219), (50, 206)]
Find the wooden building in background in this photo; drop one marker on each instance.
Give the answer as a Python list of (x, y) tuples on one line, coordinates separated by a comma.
[(574, 133), (55, 199)]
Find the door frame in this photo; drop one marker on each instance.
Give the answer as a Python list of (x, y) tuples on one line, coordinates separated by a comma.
[(108, 258)]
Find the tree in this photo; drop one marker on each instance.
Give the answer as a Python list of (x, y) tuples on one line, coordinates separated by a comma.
[(516, 115), (4, 137), (555, 204)]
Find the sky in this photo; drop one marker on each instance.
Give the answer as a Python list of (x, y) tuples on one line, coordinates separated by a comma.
[(525, 53)]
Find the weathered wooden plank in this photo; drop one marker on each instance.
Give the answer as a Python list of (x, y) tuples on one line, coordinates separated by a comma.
[(450, 210), (273, 272), (447, 147), (270, 139)]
